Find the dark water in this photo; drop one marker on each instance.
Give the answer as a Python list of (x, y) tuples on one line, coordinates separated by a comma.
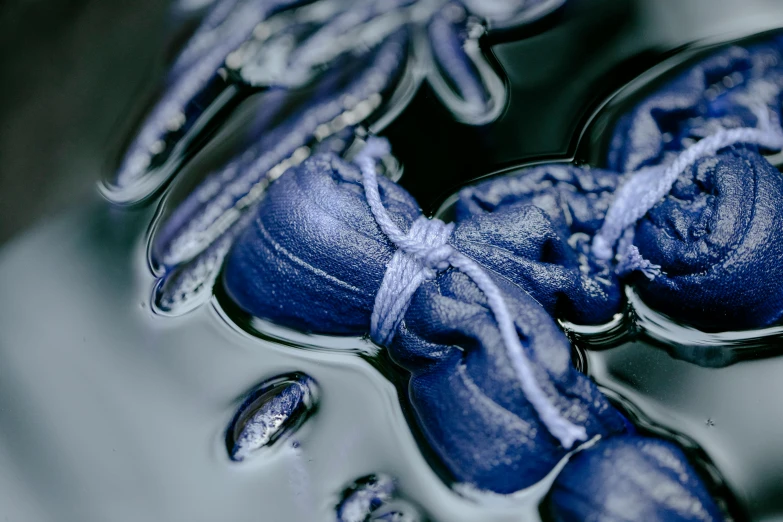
[(111, 412)]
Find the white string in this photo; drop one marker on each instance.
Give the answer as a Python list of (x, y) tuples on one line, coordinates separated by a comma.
[(404, 274), (434, 254), (647, 187)]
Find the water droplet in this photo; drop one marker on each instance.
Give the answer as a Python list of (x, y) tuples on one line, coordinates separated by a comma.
[(275, 409), (374, 499)]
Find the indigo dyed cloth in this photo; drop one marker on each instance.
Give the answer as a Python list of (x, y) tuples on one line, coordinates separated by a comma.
[(546, 216), (467, 396), (627, 479), (718, 234), (725, 90), (313, 259), (718, 237)]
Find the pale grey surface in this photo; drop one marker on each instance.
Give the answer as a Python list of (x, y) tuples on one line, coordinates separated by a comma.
[(733, 413), (110, 413)]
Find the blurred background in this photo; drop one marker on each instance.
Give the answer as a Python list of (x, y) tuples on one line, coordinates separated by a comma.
[(71, 70), (68, 71)]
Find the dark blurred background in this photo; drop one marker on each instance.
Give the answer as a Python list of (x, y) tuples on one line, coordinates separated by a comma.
[(68, 72)]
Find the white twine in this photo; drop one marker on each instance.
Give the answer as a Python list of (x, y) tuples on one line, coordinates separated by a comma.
[(421, 254)]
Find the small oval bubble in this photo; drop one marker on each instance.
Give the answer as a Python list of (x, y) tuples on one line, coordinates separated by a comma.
[(374, 499), (276, 409), (364, 496)]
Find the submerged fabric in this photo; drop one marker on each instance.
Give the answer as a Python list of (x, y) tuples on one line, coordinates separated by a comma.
[(548, 214), (314, 258), (718, 237), (726, 90), (627, 479)]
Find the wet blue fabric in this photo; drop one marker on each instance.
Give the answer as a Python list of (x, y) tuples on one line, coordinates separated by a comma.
[(627, 479), (311, 73), (313, 260), (725, 90), (313, 257), (272, 411), (467, 397), (547, 217), (718, 237), (717, 234)]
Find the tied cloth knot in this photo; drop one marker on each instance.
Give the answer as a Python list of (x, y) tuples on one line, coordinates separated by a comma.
[(421, 254)]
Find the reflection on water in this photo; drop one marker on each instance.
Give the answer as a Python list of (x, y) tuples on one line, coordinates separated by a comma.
[(110, 411), (708, 349)]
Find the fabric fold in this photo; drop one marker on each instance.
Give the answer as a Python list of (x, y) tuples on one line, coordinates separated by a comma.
[(313, 260)]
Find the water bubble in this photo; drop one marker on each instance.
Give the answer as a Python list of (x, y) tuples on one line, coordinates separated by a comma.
[(374, 499), (275, 409)]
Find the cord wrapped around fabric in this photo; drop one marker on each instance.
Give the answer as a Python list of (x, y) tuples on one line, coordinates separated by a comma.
[(689, 210), (314, 259)]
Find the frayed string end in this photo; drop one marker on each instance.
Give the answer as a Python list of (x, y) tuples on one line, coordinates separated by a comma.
[(631, 260)]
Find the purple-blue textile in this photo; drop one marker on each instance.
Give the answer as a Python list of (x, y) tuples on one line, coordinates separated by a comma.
[(718, 235), (726, 90), (312, 72), (314, 258), (547, 217), (629, 478)]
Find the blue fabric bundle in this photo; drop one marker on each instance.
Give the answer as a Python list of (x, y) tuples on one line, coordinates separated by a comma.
[(314, 259), (718, 238), (710, 248), (312, 73), (724, 91), (718, 234), (630, 478), (551, 214), (467, 397)]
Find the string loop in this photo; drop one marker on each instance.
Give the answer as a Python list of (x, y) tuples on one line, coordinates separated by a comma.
[(421, 254), (642, 191)]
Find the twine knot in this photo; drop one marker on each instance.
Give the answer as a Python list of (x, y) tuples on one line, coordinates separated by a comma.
[(421, 254)]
